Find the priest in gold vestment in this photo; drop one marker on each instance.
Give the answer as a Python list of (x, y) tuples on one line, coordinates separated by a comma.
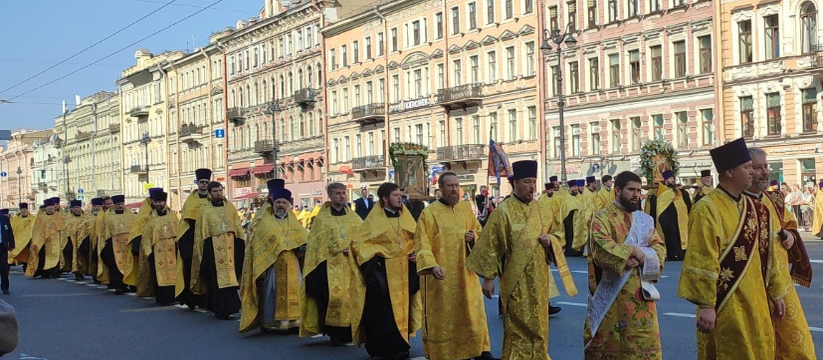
[(793, 340), (528, 236), (817, 223), (22, 225), (217, 256), (622, 240), (185, 240), (105, 205), (139, 276), (46, 235), (730, 270), (705, 186), (77, 232), (590, 205), (670, 207), (157, 242), (385, 285), (454, 316), (325, 304), (115, 254), (270, 284), (567, 200)]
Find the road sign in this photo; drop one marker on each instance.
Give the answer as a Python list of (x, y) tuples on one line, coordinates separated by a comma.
[(219, 133), (80, 191), (3, 174)]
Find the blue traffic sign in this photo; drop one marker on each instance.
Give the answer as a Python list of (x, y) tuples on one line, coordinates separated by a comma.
[(3, 174), (80, 191), (219, 133)]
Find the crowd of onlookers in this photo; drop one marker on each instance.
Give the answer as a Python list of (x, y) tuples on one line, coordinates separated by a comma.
[(800, 200)]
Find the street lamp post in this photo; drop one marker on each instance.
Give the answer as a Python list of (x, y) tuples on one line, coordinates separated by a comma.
[(19, 193), (145, 141), (557, 38), (273, 109)]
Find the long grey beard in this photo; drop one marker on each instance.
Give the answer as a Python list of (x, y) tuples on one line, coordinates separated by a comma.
[(280, 213)]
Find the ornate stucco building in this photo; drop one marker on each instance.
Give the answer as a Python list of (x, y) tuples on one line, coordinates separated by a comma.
[(16, 160)]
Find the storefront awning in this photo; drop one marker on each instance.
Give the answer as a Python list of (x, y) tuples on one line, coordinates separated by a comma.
[(238, 172), (262, 169), (247, 196)]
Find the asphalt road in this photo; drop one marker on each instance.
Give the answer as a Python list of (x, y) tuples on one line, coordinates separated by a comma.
[(62, 319)]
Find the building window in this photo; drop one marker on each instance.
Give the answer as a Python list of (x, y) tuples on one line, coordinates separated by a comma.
[(594, 130), (572, 20), (594, 73), (357, 95), (634, 64), (475, 64), (368, 47), (381, 90), (613, 14), (355, 48), (458, 73), (705, 43), (592, 13), (574, 77), (438, 25), (707, 120), (556, 137), (472, 16), (509, 5), (455, 20), (344, 55), (530, 70), (680, 59), (490, 11), (744, 34), (492, 66), (554, 80), (440, 76), (575, 140), (810, 110), (416, 35), (395, 88), (358, 145), (614, 70), (418, 83), (394, 39), (418, 132), (659, 130), (512, 125), (772, 37), (380, 44), (682, 121), (553, 25), (654, 5), (510, 71), (616, 136), (458, 131), (657, 62), (346, 100), (493, 125), (528, 6), (808, 28), (633, 8), (442, 139), (637, 133), (747, 116), (476, 129), (532, 123), (773, 113)]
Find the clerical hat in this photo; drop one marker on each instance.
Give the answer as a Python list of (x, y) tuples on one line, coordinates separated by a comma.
[(581, 183), (591, 180), (773, 183), (48, 202), (154, 190), (158, 195), (202, 174), (24, 205), (97, 202), (56, 200), (76, 203), (730, 155), (571, 183), (277, 189), (549, 186), (668, 174), (118, 199), (4, 211), (553, 178), (705, 173), (524, 169), (820, 185)]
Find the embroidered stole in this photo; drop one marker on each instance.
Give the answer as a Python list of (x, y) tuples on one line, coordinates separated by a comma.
[(801, 271)]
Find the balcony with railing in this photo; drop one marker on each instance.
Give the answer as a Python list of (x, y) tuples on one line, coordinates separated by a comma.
[(138, 169), (368, 163), (461, 152), (303, 145), (460, 96), (190, 130), (263, 147), (236, 115), (114, 127), (369, 114), (139, 112), (80, 135), (305, 96)]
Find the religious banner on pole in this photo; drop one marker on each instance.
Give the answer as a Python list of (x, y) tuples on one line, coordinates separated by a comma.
[(411, 168)]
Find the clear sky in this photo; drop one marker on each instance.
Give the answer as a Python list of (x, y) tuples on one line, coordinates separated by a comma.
[(37, 34)]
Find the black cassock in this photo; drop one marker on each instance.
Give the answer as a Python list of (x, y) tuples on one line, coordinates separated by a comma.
[(383, 339), (222, 302), (317, 287), (670, 225), (185, 247)]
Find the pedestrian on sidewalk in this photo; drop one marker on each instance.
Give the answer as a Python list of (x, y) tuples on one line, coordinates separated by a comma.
[(6, 245)]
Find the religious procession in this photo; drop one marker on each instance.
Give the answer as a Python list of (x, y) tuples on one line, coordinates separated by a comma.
[(381, 270)]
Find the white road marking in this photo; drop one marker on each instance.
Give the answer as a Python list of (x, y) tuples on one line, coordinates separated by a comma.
[(816, 261), (131, 294), (202, 311), (181, 306), (817, 329), (317, 336), (56, 295), (572, 303), (102, 286), (680, 315)]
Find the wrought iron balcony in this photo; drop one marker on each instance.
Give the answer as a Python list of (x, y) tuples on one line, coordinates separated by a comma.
[(263, 147), (461, 152), (304, 145), (368, 162), (304, 96), (189, 130), (114, 127), (82, 135), (816, 56), (139, 112), (138, 169), (460, 96), (235, 114), (371, 113)]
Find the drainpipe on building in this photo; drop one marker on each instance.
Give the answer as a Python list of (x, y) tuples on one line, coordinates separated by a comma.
[(386, 92), (541, 94), (225, 154), (718, 113)]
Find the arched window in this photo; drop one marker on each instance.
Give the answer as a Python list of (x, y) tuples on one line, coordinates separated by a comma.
[(310, 77), (233, 98), (319, 76), (302, 126), (300, 78), (265, 131), (808, 28), (310, 128), (265, 89), (282, 88), (291, 83), (249, 95), (240, 104), (256, 94)]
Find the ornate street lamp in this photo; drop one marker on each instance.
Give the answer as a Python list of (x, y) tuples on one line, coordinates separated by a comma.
[(557, 38), (271, 110)]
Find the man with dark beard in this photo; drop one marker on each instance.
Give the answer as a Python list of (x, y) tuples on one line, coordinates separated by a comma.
[(157, 242), (570, 205), (77, 232), (217, 256), (705, 185), (670, 207), (185, 240), (385, 290), (45, 243), (115, 255)]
